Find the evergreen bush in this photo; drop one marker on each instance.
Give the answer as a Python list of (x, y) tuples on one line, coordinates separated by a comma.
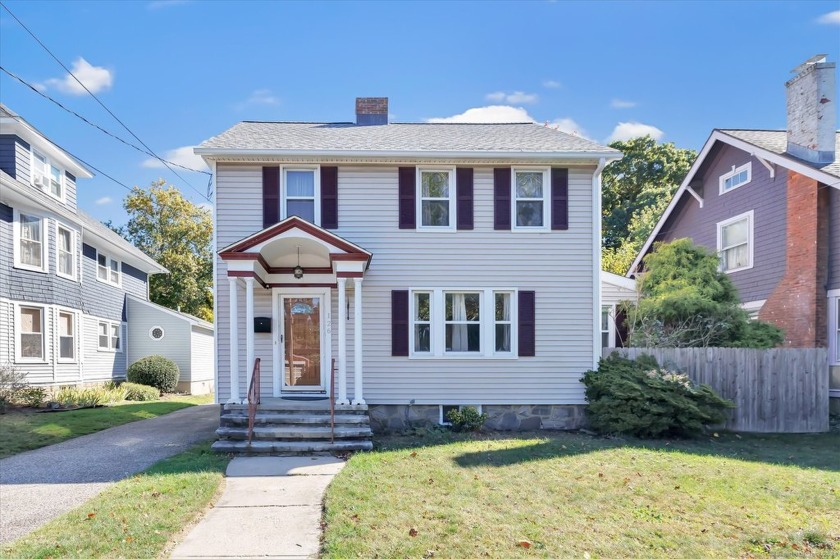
[(154, 370), (466, 419), (642, 399)]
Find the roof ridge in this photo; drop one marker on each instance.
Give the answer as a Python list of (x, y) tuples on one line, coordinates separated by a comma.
[(389, 124)]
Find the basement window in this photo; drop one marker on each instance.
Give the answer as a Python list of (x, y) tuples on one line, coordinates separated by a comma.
[(446, 408)]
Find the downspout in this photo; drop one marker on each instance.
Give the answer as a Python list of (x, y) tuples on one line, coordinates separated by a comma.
[(596, 261)]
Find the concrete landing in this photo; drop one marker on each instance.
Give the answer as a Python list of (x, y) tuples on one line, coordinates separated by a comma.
[(270, 507)]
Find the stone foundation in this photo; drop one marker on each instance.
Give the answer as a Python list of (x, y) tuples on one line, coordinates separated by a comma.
[(390, 418)]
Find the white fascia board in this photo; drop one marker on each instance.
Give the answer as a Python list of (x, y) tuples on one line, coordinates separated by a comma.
[(193, 320), (215, 153), (618, 281), (23, 130)]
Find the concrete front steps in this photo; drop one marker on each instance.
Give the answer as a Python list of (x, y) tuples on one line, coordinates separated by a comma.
[(288, 427)]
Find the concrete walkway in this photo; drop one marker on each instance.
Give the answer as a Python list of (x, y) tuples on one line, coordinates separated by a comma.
[(270, 507), (38, 485)]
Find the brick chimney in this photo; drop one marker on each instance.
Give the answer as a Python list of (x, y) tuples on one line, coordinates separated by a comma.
[(811, 111), (371, 110)]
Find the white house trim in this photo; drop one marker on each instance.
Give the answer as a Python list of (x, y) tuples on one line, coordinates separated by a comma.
[(546, 198), (750, 217), (596, 261), (45, 245), (450, 172), (736, 170)]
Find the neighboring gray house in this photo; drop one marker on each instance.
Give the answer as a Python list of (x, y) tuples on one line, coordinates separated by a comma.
[(187, 340), (768, 201), (64, 276)]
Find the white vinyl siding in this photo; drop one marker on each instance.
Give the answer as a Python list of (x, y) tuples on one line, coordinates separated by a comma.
[(402, 259)]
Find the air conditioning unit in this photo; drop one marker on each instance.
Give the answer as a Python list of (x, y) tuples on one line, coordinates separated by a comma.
[(40, 181)]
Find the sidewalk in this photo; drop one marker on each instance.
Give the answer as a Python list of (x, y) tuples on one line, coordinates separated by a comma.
[(271, 507)]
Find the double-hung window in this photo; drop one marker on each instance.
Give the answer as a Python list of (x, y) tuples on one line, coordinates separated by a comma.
[(300, 195), (462, 322), (422, 330), (530, 198), (110, 336), (503, 322), (738, 176), (66, 336), (30, 248), (66, 252), (606, 318), (31, 336), (47, 176), (735, 243), (436, 198), (107, 269)]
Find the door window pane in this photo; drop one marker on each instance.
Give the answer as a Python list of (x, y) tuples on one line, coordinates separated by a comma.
[(302, 341)]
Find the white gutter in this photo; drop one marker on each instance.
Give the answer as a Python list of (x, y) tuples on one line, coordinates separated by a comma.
[(596, 261), (427, 154)]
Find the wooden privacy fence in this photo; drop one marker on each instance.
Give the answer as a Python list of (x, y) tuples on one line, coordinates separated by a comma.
[(775, 390)]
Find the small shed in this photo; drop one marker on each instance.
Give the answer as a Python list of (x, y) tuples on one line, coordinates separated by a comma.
[(183, 338), (614, 290)]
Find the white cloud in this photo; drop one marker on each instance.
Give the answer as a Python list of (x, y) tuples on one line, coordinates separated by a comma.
[(491, 113), (515, 98), (261, 96), (831, 18), (182, 156), (568, 126), (104, 200), (552, 84), (622, 104), (95, 78), (628, 130)]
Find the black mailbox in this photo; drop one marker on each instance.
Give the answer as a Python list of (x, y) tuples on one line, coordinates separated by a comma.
[(262, 324)]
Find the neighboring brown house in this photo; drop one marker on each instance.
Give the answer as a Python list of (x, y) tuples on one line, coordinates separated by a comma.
[(768, 201)]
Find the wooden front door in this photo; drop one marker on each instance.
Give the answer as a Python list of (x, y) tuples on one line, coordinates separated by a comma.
[(302, 321)]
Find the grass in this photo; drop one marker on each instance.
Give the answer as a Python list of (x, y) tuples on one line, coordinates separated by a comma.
[(137, 517), (24, 431), (571, 495)]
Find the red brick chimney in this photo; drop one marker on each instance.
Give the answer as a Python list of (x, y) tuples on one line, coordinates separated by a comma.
[(371, 110)]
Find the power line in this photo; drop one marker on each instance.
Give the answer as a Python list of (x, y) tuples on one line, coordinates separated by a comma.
[(86, 121), (136, 137)]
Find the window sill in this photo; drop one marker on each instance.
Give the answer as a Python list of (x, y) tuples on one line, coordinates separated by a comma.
[(31, 268), (102, 350), (67, 361), (532, 230), (31, 360), (65, 276), (433, 229), (463, 357), (112, 284), (733, 270)]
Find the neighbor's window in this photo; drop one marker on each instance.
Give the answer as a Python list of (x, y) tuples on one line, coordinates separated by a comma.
[(738, 176), (110, 334), (31, 340), (462, 322), (503, 321), (530, 188), (107, 269), (300, 194), (47, 176), (605, 326), (436, 198), (29, 243), (66, 336), (66, 253), (735, 243), (422, 322)]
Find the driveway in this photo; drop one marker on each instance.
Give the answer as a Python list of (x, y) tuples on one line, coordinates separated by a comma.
[(38, 485)]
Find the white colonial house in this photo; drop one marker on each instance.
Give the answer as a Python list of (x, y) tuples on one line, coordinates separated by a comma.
[(437, 265)]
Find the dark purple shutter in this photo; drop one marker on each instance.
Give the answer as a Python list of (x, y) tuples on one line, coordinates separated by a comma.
[(399, 323), (464, 202), (408, 193), (271, 196), (501, 199), (559, 199), (329, 197), (527, 324)]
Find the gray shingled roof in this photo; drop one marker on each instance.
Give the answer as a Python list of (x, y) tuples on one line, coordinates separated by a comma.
[(776, 141), (401, 137)]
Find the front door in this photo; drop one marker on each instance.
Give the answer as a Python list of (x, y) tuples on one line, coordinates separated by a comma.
[(301, 336)]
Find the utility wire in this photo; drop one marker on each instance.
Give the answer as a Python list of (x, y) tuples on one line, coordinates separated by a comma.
[(165, 163), (86, 121)]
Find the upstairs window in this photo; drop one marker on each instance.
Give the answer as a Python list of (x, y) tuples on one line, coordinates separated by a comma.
[(47, 176), (107, 269), (66, 252), (300, 194), (735, 243), (738, 176), (436, 198), (29, 248), (530, 204)]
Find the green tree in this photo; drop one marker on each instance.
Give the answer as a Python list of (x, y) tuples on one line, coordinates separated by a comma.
[(686, 301), (178, 234), (636, 191)]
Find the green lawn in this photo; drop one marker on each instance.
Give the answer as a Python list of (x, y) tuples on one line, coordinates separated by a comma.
[(27, 431), (137, 517), (569, 495)]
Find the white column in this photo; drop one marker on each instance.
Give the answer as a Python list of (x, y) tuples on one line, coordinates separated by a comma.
[(342, 343), (249, 329), (358, 400), (234, 342)]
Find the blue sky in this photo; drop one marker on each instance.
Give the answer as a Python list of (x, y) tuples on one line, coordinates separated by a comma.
[(177, 72)]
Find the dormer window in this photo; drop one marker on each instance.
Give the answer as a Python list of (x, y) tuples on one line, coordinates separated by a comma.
[(46, 176)]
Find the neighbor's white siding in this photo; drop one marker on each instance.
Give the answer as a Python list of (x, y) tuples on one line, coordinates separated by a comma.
[(101, 365), (202, 356), (612, 294), (174, 345), (557, 265)]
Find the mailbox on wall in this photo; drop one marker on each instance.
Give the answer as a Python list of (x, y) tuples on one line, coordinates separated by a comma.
[(262, 324)]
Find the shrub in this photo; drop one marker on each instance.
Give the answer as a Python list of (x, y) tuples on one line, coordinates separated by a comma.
[(466, 419), (155, 370), (32, 396), (12, 383), (640, 398), (140, 392), (72, 397)]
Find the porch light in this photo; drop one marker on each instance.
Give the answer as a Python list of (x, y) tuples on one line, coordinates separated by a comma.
[(298, 270)]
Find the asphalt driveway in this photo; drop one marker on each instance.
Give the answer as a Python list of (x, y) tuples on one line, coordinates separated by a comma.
[(38, 485)]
